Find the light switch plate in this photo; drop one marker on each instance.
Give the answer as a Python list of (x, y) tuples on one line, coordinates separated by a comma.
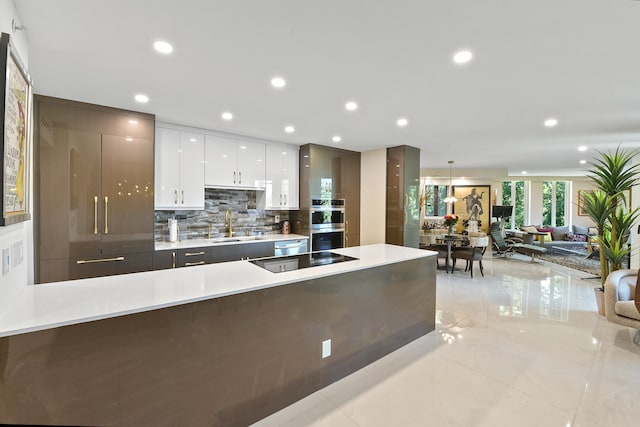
[(6, 261), (17, 253)]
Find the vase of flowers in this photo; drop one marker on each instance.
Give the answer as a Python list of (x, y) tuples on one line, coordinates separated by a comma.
[(450, 221)]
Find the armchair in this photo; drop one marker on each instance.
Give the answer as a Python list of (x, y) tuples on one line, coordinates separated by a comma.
[(504, 246), (622, 298)]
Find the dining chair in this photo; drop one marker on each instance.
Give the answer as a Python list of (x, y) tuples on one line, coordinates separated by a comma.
[(473, 252)]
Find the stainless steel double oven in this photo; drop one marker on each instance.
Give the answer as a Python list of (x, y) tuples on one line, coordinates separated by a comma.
[(327, 222)]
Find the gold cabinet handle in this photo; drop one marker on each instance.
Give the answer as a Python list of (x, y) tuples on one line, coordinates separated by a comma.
[(175, 197), (346, 227), (173, 259), (239, 177), (234, 177), (183, 197), (106, 215), (189, 264), (95, 214), (93, 261), (194, 253)]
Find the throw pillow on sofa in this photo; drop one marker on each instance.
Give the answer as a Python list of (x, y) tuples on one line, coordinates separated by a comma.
[(570, 237), (580, 230), (558, 233)]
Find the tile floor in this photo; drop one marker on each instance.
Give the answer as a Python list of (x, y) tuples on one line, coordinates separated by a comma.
[(522, 346)]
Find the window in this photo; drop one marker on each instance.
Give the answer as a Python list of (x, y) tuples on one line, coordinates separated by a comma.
[(434, 200), (513, 194), (554, 203)]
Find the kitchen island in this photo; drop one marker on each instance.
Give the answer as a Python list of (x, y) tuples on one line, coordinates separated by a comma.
[(220, 344)]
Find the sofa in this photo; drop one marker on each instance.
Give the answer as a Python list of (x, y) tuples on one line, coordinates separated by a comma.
[(558, 238), (619, 298)]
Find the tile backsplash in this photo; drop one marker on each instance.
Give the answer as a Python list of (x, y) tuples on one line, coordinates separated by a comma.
[(247, 219)]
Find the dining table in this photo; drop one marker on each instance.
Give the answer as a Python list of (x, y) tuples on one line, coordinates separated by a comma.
[(452, 240)]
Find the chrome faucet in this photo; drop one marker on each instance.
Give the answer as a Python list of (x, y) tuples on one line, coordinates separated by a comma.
[(228, 216)]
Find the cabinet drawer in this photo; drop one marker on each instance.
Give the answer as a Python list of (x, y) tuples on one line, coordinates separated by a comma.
[(55, 270), (242, 251), (193, 256), (163, 260)]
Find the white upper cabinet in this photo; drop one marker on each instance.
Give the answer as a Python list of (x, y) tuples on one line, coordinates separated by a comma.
[(251, 164), (221, 161), (281, 186), (234, 163), (179, 174)]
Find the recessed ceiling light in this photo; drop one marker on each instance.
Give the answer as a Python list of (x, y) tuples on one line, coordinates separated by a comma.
[(278, 82), (462, 57), (551, 123), (336, 138), (582, 162), (128, 138), (163, 47), (402, 122), (289, 129), (524, 172), (226, 115), (192, 139), (133, 122), (351, 106), (141, 98), (582, 148)]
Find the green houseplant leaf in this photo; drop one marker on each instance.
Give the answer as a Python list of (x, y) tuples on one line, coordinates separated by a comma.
[(599, 208)]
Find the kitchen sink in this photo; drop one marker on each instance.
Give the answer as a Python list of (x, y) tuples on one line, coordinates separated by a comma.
[(236, 239)]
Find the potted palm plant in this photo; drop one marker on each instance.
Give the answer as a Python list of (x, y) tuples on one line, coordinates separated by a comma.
[(613, 174)]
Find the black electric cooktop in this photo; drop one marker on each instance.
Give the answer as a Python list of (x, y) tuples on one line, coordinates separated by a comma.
[(297, 262)]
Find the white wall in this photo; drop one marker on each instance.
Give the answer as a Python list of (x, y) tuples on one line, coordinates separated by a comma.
[(582, 221), (19, 276), (535, 204), (373, 192)]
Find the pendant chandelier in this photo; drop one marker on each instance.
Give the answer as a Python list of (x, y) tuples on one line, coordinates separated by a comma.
[(450, 198)]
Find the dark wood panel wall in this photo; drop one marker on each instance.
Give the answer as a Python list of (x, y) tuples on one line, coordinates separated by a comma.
[(223, 362)]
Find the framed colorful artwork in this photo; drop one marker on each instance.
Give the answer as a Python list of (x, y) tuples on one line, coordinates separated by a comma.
[(15, 115), (473, 204)]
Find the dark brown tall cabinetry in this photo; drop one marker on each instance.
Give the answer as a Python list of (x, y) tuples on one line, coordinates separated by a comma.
[(328, 172), (403, 196), (94, 190)]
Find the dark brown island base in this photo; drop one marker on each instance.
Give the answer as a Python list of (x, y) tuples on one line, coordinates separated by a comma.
[(226, 361)]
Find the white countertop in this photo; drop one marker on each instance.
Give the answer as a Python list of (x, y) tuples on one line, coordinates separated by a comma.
[(52, 305), (196, 243)]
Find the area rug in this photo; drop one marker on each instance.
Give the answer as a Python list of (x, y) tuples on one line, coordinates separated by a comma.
[(577, 262)]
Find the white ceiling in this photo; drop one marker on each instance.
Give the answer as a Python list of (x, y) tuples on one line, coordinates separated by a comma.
[(575, 60)]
